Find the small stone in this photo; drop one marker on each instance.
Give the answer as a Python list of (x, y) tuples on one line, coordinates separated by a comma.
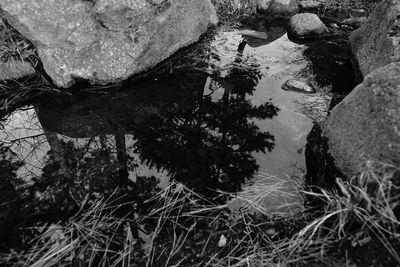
[(271, 232), (15, 69), (222, 241), (298, 86), (355, 22), (306, 25), (278, 7), (308, 5), (334, 25)]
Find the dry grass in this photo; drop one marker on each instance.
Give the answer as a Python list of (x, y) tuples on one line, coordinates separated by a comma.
[(362, 212), (15, 93), (363, 208), (13, 46), (90, 238), (190, 230), (231, 10), (17, 58), (288, 201), (180, 210), (367, 5)]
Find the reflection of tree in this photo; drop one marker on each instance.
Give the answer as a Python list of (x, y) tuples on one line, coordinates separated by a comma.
[(73, 178), (10, 198), (71, 171), (207, 144), (202, 139), (94, 169), (64, 184)]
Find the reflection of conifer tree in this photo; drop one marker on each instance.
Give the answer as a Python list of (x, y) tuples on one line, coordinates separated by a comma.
[(57, 150), (10, 199), (83, 173), (208, 143), (205, 141), (100, 160), (89, 166), (91, 173)]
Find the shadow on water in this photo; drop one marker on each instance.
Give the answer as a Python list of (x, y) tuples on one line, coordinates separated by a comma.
[(214, 117), (330, 62)]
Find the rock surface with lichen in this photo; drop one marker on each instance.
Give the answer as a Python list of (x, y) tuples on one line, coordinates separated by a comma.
[(106, 41), (377, 42)]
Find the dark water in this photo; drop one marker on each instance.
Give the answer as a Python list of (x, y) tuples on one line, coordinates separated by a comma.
[(213, 118)]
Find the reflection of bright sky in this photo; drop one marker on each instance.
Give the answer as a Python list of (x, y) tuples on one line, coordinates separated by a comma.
[(22, 131), (280, 60)]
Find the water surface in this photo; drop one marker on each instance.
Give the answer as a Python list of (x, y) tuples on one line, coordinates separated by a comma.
[(214, 118)]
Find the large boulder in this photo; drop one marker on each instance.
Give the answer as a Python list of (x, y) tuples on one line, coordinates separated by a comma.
[(105, 41), (366, 124), (278, 7), (376, 43), (306, 25)]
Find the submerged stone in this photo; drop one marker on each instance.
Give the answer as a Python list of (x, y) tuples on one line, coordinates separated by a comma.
[(110, 40), (306, 25), (14, 70), (298, 86), (377, 43)]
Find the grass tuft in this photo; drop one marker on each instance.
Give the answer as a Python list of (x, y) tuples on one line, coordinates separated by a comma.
[(359, 213), (232, 10), (186, 229), (367, 5), (13, 46), (93, 237)]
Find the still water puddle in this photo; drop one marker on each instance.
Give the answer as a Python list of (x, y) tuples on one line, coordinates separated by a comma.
[(214, 118)]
